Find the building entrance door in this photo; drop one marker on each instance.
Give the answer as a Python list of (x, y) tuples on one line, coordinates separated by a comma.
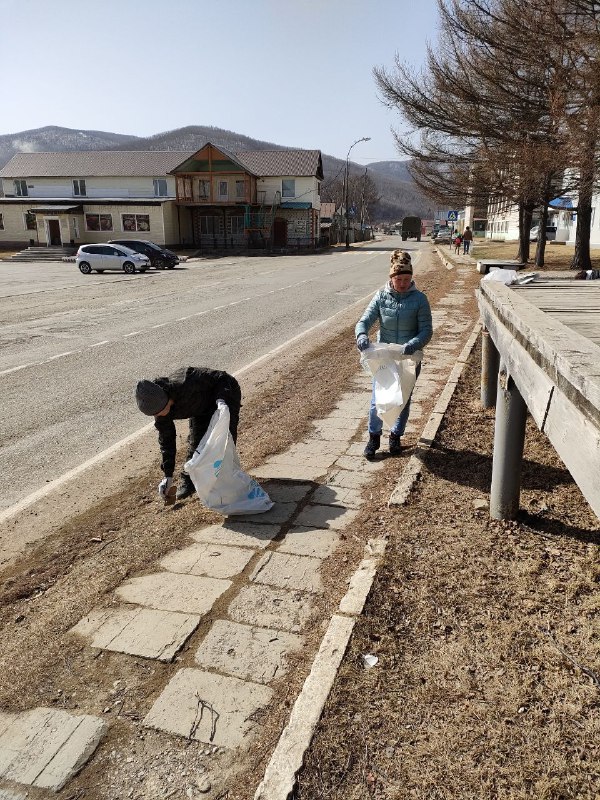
[(279, 232), (54, 239)]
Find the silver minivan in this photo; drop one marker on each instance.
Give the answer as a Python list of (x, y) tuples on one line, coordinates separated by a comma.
[(101, 257)]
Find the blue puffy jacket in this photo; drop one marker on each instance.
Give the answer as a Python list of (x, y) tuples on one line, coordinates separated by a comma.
[(404, 317)]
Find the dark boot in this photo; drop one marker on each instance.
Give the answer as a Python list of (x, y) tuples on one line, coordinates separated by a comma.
[(395, 446), (372, 446), (185, 488)]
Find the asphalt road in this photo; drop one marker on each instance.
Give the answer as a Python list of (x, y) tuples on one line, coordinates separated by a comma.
[(73, 346)]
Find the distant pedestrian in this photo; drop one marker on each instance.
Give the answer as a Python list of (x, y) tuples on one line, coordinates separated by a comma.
[(457, 241), (467, 239), (189, 393), (404, 317)]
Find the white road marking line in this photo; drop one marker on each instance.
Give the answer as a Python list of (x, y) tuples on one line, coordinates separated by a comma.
[(14, 369), (161, 325), (181, 319), (99, 344), (60, 355), (21, 505), (133, 333)]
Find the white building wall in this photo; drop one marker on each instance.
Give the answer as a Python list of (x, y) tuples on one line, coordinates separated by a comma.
[(306, 190), (125, 187), (13, 222), (155, 234)]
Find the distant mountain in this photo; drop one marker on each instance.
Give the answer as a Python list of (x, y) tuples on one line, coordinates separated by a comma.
[(58, 140), (399, 196)]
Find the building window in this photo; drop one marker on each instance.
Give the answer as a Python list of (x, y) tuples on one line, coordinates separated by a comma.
[(240, 190), (235, 226), (30, 221), (98, 222), (160, 187), (21, 188), (1, 222), (136, 222), (288, 187), (79, 187), (223, 190), (203, 189), (211, 226)]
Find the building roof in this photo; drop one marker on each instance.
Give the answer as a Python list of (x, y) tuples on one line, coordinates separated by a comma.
[(155, 163), (94, 163), (273, 163)]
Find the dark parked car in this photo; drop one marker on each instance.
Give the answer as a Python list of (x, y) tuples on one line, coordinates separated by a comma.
[(160, 257)]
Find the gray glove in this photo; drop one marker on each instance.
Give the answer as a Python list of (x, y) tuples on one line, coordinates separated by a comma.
[(221, 404), (164, 486), (362, 341)]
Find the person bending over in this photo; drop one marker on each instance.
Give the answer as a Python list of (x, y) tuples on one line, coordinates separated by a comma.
[(189, 393)]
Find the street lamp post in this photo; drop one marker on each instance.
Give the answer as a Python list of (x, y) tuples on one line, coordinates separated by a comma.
[(364, 139)]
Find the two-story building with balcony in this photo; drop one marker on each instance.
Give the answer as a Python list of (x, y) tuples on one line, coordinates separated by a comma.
[(253, 198), (208, 199)]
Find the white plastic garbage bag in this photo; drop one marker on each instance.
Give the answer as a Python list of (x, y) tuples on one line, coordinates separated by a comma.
[(506, 276), (215, 470), (394, 375)]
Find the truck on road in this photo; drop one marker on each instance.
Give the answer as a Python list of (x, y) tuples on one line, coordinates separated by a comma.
[(411, 228)]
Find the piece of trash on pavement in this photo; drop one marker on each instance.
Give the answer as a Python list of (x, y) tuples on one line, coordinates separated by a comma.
[(369, 660)]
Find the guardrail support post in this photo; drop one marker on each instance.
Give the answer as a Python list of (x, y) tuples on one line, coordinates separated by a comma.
[(490, 364), (509, 441)]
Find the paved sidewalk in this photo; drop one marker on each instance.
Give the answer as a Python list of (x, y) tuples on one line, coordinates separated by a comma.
[(258, 579)]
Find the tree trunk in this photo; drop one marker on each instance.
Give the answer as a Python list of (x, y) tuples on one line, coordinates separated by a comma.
[(581, 256), (540, 250), (525, 215)]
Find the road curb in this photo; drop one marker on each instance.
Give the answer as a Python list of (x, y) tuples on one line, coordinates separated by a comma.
[(287, 758)]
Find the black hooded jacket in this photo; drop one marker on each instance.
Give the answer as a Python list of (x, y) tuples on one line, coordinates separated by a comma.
[(194, 391)]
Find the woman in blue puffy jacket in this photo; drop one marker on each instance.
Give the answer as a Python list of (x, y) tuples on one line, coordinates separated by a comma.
[(404, 318)]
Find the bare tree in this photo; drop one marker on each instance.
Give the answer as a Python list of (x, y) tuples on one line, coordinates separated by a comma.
[(489, 113)]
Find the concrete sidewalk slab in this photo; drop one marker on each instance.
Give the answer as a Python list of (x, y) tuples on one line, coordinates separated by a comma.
[(269, 607), (280, 513), (167, 591), (315, 542), (138, 631), (204, 558), (288, 472), (238, 534), (288, 571), (331, 495), (210, 708), (348, 479), (294, 457), (45, 747), (250, 653), (360, 464), (313, 516), (287, 492)]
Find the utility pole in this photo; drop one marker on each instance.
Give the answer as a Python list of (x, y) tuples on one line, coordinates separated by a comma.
[(364, 139)]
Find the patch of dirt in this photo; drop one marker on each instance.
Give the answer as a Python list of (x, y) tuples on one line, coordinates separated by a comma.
[(488, 680)]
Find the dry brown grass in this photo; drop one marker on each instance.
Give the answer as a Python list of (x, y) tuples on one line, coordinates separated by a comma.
[(557, 256)]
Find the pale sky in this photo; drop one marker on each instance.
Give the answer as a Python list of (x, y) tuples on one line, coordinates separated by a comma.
[(293, 72)]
